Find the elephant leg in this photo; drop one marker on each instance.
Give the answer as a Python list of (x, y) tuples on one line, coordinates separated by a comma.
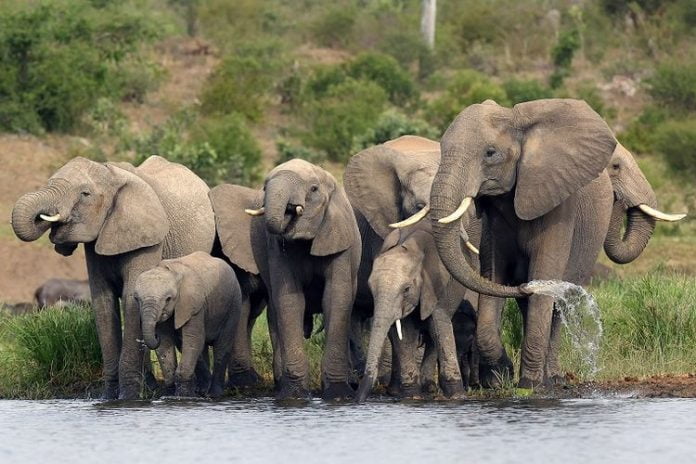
[(337, 303), (450, 378), (130, 369), (150, 380), (192, 347), (553, 374), (277, 360), (166, 355), (494, 364), (473, 358), (107, 316), (405, 350), (385, 365), (221, 355), (428, 367), (394, 386), (241, 372), (288, 311), (357, 354), (202, 371)]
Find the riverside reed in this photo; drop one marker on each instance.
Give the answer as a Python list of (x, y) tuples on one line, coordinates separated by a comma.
[(649, 328)]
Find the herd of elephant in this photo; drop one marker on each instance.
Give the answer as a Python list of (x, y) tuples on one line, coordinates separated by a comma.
[(425, 239)]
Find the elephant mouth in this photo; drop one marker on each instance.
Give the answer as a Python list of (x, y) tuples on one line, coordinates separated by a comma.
[(491, 187)]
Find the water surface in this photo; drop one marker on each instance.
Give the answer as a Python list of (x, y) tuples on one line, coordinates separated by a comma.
[(250, 431)]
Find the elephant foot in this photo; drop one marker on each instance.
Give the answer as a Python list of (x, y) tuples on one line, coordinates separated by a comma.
[(129, 392), (244, 379), (185, 388), (495, 375), (168, 390), (429, 387), (556, 380), (110, 391), (394, 388), (527, 383), (337, 391), (216, 390), (384, 379), (453, 389), (292, 390), (151, 382), (411, 391)]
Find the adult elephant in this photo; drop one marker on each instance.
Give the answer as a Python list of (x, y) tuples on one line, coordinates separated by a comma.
[(61, 292), (306, 246), (128, 219), (537, 175), (387, 184), (635, 204)]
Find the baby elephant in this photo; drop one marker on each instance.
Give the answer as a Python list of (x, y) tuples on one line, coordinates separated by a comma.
[(203, 295)]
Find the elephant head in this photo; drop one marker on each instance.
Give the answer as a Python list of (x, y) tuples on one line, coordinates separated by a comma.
[(406, 275), (164, 291), (538, 153), (390, 182), (87, 202), (634, 201), (304, 202)]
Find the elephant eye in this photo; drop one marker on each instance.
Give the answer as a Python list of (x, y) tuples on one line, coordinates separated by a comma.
[(407, 289), (490, 152), (86, 194), (420, 205), (168, 299), (615, 166), (314, 188)]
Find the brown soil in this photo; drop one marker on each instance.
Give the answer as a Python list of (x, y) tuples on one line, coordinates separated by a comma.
[(656, 386)]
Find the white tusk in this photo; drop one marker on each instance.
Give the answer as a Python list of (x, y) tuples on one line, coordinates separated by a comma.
[(398, 329), (55, 218), (299, 210), (660, 215), (411, 220), (459, 212), (255, 212), (471, 246)]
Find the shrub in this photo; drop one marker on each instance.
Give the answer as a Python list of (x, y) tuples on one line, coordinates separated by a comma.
[(640, 134), (465, 88), (54, 350), (384, 71), (405, 45), (676, 141), (288, 151), (392, 124), (333, 28), (674, 85), (218, 149), (519, 91), (346, 111), (562, 55)]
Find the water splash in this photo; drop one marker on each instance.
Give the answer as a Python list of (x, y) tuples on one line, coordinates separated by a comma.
[(580, 315)]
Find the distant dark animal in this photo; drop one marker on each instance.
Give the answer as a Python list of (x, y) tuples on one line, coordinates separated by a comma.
[(58, 292), (18, 309)]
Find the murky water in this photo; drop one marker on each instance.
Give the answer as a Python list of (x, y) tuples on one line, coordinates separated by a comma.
[(581, 317), (569, 431)]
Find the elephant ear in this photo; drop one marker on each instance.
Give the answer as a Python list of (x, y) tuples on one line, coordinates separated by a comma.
[(565, 145), (233, 224), (191, 296), (391, 240), (137, 218), (338, 230)]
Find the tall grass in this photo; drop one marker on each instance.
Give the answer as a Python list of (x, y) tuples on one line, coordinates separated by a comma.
[(51, 353)]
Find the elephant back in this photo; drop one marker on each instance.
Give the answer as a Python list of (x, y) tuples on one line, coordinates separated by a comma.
[(184, 197)]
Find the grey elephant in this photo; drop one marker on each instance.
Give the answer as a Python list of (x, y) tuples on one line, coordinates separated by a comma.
[(128, 219), (412, 288), (387, 184), (306, 245), (190, 303), (60, 291), (635, 204)]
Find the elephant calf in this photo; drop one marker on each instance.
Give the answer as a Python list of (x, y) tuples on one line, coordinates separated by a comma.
[(203, 295)]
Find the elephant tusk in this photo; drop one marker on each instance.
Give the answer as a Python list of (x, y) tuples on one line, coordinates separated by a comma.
[(398, 329), (411, 220), (299, 210), (459, 212), (660, 215), (55, 218), (255, 212), (471, 246)]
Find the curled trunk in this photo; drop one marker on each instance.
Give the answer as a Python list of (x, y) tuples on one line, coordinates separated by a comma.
[(378, 335), (276, 203), (26, 223), (624, 248)]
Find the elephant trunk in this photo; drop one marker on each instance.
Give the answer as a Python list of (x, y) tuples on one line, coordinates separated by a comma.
[(149, 324), (278, 192), (378, 335), (27, 222), (447, 196), (625, 248)]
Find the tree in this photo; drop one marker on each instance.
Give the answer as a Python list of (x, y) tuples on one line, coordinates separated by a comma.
[(428, 22)]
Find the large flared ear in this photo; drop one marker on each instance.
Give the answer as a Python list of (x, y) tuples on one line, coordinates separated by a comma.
[(373, 178), (338, 230), (137, 218), (233, 224), (565, 145), (191, 296)]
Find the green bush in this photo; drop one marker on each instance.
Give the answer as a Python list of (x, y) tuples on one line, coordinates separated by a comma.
[(217, 149), (347, 110), (384, 71), (334, 27), (562, 55), (392, 124), (58, 57), (640, 134), (288, 151), (676, 141), (55, 350), (465, 88), (674, 85), (519, 91)]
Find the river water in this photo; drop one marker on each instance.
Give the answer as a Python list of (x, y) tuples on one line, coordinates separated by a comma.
[(250, 431)]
